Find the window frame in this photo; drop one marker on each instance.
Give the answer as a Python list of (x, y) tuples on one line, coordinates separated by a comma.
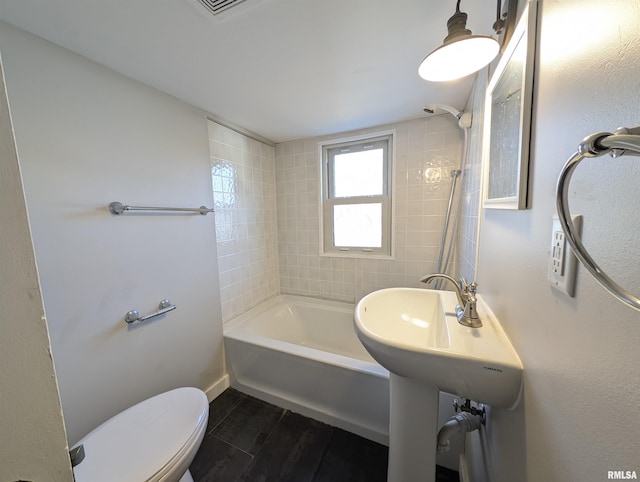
[(328, 201)]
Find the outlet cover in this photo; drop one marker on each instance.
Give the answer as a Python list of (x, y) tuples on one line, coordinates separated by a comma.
[(562, 262)]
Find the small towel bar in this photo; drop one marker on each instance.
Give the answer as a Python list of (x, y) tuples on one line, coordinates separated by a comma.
[(164, 307)]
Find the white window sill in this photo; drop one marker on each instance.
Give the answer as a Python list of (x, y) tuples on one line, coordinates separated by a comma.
[(356, 254)]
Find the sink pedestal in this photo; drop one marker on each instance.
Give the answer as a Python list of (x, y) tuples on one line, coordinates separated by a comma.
[(413, 430)]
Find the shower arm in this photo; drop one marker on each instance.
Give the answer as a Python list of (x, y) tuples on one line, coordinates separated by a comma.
[(464, 118), (624, 141)]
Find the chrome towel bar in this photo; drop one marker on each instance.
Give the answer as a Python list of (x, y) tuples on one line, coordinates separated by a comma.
[(118, 208), (624, 141), (164, 307)]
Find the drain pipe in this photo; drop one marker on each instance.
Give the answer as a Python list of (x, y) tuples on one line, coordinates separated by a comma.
[(461, 423)]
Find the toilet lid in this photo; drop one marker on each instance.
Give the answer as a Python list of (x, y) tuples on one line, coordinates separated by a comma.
[(138, 443)]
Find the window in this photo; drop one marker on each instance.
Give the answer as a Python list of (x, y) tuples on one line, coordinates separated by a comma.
[(356, 201)]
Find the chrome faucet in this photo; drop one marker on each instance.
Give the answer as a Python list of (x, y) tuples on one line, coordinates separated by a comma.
[(466, 310)]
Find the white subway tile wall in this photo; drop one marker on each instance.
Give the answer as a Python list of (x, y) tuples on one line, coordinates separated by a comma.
[(426, 151), (243, 177), (472, 183)]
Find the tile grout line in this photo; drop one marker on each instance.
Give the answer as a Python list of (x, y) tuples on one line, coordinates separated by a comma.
[(264, 442), (324, 453), (234, 446), (284, 412), (225, 417)]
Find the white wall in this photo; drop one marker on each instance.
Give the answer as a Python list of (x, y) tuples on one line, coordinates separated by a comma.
[(580, 415), (433, 142), (87, 136), (33, 444)]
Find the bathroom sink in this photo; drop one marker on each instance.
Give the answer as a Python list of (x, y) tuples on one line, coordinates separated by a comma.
[(414, 333)]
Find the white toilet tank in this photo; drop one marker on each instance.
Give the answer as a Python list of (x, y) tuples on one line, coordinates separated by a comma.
[(152, 441)]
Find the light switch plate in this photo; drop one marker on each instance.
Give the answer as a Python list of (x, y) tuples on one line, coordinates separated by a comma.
[(562, 262)]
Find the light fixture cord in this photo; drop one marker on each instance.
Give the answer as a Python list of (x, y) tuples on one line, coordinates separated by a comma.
[(458, 7)]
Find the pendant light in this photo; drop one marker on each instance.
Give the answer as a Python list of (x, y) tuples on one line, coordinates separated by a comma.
[(461, 52)]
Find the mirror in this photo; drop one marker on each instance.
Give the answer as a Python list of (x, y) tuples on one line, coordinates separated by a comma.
[(508, 119)]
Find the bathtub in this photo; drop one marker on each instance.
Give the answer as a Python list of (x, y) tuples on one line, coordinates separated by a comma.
[(303, 354)]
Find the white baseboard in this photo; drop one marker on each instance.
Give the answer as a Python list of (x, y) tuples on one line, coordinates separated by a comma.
[(217, 388), (463, 470)]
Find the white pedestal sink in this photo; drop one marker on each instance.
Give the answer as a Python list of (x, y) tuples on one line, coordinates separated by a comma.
[(414, 333)]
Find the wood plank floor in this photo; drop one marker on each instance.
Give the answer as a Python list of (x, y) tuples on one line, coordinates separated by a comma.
[(250, 440)]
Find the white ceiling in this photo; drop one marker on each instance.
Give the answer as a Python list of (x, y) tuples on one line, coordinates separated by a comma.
[(284, 69)]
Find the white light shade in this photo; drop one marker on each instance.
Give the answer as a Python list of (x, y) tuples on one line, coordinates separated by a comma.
[(459, 58)]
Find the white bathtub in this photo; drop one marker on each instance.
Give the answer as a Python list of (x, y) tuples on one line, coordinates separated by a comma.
[(303, 354)]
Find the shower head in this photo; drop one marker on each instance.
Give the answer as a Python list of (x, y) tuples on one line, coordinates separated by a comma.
[(432, 108), (464, 118)]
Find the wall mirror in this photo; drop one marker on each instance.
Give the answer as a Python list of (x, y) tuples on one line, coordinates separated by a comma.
[(507, 124)]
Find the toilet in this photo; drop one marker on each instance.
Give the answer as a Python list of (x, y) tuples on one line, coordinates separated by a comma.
[(153, 441)]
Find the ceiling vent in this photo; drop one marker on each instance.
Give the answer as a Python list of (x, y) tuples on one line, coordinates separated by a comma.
[(216, 7), (222, 9)]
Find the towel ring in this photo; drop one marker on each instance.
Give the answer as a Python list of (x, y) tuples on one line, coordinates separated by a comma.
[(624, 141)]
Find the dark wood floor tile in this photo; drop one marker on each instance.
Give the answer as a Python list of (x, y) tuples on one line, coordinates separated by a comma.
[(218, 461), (350, 458), (292, 453), (250, 440), (223, 406), (444, 474), (249, 424)]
